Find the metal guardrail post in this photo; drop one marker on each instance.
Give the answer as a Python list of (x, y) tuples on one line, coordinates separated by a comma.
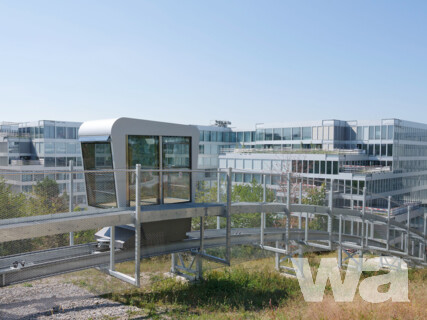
[(218, 197), (388, 223), (340, 243), (330, 216), (362, 245), (71, 200), (228, 225), (300, 202), (112, 248), (201, 249), (264, 197), (161, 189), (425, 234), (306, 227), (288, 214), (137, 224), (408, 230)]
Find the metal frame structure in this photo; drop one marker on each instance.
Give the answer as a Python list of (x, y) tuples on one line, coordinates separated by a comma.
[(288, 241)]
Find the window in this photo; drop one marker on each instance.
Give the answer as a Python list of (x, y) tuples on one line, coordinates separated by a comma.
[(277, 134), (240, 137), (61, 162), (384, 132), (247, 136), (306, 133), (390, 132), (100, 186), (260, 135), (359, 133), (143, 150), (207, 136), (316, 167), (371, 133), (49, 132), (287, 134), (60, 147), (71, 133), (335, 167), (71, 159), (176, 154), (377, 132), (296, 133), (329, 167), (60, 133), (269, 134), (377, 149), (389, 150), (383, 149), (49, 162), (322, 167)]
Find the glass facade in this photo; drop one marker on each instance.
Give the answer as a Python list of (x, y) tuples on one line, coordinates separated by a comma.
[(100, 186), (143, 150), (176, 154)]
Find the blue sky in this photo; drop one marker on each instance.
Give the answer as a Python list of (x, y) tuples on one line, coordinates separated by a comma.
[(195, 61)]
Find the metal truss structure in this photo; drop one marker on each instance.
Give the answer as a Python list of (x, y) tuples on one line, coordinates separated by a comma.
[(400, 241)]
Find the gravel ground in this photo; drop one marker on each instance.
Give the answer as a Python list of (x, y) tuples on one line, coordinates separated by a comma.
[(53, 299)]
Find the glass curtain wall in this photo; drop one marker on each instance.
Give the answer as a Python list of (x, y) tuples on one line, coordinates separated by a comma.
[(100, 186), (143, 150), (176, 155)]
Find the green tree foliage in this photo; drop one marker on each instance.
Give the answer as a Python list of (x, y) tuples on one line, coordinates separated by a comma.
[(45, 199), (317, 196), (12, 205), (252, 192)]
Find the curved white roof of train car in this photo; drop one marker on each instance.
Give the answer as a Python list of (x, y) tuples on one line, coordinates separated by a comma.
[(108, 127), (97, 127)]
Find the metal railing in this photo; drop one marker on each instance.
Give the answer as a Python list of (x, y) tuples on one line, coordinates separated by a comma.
[(286, 229)]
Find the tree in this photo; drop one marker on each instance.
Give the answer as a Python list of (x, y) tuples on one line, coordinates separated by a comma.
[(46, 198), (317, 196), (252, 192), (12, 205)]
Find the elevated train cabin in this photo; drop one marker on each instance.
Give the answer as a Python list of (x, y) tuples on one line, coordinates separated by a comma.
[(112, 148)]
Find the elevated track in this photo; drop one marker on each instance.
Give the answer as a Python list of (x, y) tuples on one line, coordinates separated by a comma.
[(402, 241)]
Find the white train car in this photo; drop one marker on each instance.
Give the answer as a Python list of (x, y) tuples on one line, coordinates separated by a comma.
[(112, 148)]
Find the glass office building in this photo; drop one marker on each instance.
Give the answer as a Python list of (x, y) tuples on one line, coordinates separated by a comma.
[(388, 157), (42, 149)]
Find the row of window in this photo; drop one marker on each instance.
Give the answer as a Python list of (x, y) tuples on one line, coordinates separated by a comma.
[(50, 132), (295, 166), (301, 133), (411, 165), (53, 176), (316, 167), (412, 134), (143, 150), (62, 161), (57, 147), (384, 150)]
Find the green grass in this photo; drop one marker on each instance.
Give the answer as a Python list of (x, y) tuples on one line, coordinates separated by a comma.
[(236, 289), (249, 290)]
